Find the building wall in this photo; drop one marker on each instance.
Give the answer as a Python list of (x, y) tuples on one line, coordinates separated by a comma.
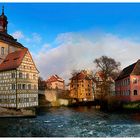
[(125, 88), (57, 85), (19, 88), (81, 89), (135, 85), (28, 94), (7, 94)]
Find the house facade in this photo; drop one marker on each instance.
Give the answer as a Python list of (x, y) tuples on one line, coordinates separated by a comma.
[(18, 73), (98, 81), (55, 82), (127, 85), (81, 87)]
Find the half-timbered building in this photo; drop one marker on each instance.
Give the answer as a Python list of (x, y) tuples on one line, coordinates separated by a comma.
[(18, 73)]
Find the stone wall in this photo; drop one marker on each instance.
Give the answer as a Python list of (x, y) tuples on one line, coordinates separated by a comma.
[(54, 97), (6, 112)]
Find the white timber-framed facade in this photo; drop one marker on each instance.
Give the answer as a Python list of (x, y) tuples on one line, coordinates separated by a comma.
[(19, 85), (18, 73)]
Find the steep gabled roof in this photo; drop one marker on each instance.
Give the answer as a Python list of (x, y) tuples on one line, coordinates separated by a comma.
[(13, 60), (126, 71), (81, 76), (54, 78)]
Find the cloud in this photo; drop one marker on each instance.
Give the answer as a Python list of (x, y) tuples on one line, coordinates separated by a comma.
[(33, 38), (77, 51), (18, 35)]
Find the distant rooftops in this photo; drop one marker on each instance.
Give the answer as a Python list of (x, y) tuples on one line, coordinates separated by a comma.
[(81, 75), (54, 78)]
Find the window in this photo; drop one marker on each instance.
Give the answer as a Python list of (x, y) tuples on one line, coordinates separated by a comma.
[(33, 76), (20, 75), (2, 50), (13, 86), (128, 92), (35, 99), (19, 86), (134, 80), (35, 87), (26, 99), (135, 92), (27, 76), (23, 86), (29, 86), (13, 75)]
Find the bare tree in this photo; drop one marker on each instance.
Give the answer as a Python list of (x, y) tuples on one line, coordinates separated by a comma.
[(109, 69), (41, 84)]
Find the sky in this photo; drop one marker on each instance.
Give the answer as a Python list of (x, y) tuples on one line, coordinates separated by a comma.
[(63, 37)]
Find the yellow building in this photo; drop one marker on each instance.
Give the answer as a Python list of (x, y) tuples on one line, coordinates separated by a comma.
[(18, 73), (81, 86)]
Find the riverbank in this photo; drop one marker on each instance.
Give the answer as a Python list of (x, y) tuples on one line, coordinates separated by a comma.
[(28, 112)]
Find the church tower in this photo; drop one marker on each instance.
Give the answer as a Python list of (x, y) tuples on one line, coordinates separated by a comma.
[(3, 22)]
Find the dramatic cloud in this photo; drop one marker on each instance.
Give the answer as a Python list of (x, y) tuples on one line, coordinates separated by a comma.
[(77, 51)]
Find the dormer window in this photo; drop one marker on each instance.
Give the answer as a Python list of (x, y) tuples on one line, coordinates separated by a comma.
[(2, 50), (135, 81)]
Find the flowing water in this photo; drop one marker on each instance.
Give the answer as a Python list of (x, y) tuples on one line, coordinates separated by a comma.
[(72, 122)]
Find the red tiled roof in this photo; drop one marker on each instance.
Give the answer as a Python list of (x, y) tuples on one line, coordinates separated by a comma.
[(80, 76), (54, 78), (13, 60)]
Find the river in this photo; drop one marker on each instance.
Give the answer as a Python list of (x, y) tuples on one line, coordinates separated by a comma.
[(72, 122)]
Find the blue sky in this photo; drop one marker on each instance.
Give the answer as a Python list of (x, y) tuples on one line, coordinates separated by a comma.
[(50, 19), (49, 29)]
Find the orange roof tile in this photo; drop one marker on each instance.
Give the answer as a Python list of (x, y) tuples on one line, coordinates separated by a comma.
[(13, 60), (54, 78)]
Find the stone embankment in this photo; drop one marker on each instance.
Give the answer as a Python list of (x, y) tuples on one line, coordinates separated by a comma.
[(6, 112)]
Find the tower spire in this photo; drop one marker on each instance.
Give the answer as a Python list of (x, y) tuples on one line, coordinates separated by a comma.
[(2, 10), (3, 21)]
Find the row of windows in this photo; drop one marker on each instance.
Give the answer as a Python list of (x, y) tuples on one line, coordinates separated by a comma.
[(27, 67), (7, 100), (20, 100), (79, 85), (124, 82), (24, 86), (87, 94), (126, 92), (21, 75), (23, 100), (123, 93)]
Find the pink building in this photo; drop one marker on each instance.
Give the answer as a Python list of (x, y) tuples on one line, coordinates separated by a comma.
[(127, 85)]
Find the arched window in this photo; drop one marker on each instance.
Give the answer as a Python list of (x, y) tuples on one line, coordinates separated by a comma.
[(2, 50), (135, 92)]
